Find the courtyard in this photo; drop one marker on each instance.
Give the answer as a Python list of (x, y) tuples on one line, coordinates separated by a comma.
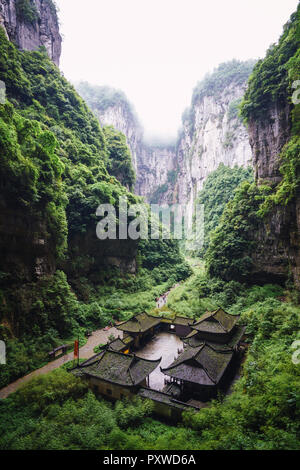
[(165, 346)]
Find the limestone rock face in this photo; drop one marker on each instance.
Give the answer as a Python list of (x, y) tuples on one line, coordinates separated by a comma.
[(175, 174), (155, 166), (216, 136), (124, 121), (24, 246), (278, 238), (267, 139), (30, 35), (152, 164)]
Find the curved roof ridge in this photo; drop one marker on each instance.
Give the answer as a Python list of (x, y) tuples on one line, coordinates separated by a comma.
[(218, 321), (148, 360), (207, 373), (96, 356), (218, 350), (116, 339), (200, 347), (130, 375), (133, 359), (153, 316)]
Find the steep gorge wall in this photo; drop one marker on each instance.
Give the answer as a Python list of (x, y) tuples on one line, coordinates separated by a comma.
[(273, 125), (155, 167), (152, 164), (278, 238), (25, 246), (32, 30), (120, 117), (212, 133)]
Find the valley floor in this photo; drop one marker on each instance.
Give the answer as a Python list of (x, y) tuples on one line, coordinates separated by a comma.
[(98, 337), (56, 411)]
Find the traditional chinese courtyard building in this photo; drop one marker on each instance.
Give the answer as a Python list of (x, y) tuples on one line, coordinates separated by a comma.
[(217, 327), (196, 375), (204, 367), (200, 371), (140, 328), (143, 326), (116, 375)]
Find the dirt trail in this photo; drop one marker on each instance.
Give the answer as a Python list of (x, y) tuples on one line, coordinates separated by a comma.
[(87, 351)]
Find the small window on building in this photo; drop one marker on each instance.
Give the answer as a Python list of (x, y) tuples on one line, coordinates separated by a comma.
[(108, 391), (122, 396)]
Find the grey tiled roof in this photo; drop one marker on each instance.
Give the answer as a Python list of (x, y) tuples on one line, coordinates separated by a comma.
[(164, 398), (117, 345), (140, 323), (118, 368), (203, 365), (194, 339), (217, 322)]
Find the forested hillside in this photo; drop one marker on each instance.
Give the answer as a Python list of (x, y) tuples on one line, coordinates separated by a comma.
[(57, 166), (218, 190)]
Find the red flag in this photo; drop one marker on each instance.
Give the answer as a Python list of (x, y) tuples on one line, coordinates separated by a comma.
[(76, 349)]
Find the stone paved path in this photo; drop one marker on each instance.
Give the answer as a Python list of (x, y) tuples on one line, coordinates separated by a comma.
[(87, 351), (163, 299)]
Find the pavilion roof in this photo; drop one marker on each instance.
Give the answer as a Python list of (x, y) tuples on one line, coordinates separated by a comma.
[(203, 364), (117, 345), (115, 367), (140, 323), (166, 399), (194, 339), (217, 322), (184, 321)]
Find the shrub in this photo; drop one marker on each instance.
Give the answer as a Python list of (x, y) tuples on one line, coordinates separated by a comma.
[(27, 11)]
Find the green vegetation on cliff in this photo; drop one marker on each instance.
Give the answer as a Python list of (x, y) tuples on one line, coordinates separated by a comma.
[(57, 165), (218, 190), (228, 73), (120, 160), (232, 73), (271, 87), (102, 97), (271, 80), (231, 244), (27, 11)]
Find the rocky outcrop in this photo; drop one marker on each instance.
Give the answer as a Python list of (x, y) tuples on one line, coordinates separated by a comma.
[(156, 173), (153, 164), (213, 134), (24, 246), (267, 139), (31, 31), (278, 239), (122, 119)]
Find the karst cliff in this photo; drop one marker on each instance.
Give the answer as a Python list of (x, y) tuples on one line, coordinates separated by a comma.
[(31, 24), (212, 133)]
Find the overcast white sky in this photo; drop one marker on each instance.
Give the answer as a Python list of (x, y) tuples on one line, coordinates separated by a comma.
[(157, 50)]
